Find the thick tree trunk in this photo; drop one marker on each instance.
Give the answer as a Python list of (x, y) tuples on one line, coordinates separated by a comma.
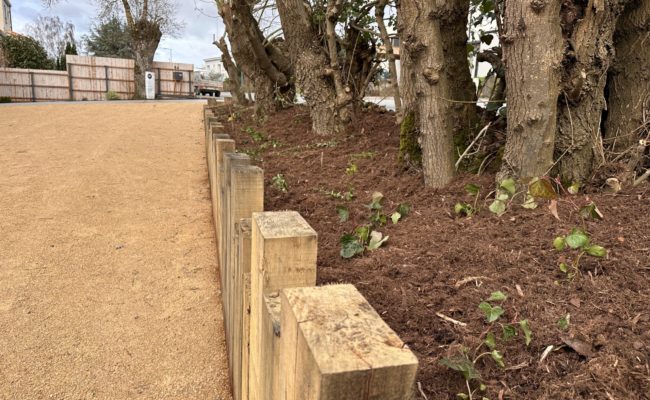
[(315, 75), (390, 55), (533, 50), (628, 118), (262, 62), (589, 31), (234, 86), (145, 37), (436, 84)]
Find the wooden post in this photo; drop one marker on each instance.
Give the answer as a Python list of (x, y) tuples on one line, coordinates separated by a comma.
[(246, 197), (334, 346), (106, 78), (221, 147), (212, 163), (31, 82), (230, 161), (283, 255), (242, 309)]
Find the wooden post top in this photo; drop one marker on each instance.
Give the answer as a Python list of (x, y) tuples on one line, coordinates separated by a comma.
[(344, 332), (283, 224)]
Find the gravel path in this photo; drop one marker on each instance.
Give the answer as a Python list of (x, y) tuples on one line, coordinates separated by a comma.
[(108, 278)]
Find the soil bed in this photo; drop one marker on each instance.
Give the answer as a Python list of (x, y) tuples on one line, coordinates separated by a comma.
[(422, 270)]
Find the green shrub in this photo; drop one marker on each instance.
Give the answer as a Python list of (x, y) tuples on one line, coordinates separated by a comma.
[(111, 95), (5, 99), (24, 52)]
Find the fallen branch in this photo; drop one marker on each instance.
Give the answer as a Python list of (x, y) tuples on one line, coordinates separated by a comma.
[(476, 279), (451, 320), (642, 178)]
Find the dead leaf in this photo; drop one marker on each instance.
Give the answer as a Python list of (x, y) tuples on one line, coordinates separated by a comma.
[(581, 347), (519, 291), (553, 208), (575, 302)]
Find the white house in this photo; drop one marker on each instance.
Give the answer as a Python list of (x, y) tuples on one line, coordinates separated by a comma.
[(213, 65), (5, 16)]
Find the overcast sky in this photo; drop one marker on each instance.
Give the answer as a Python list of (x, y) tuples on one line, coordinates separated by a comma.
[(192, 45)]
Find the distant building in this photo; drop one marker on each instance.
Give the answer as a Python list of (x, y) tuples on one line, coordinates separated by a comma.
[(214, 65), (5, 16), (394, 41)]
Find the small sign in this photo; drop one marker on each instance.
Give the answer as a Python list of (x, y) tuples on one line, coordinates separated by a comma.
[(150, 85), (178, 76)]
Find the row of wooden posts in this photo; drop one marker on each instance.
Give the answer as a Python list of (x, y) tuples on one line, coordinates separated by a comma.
[(288, 339)]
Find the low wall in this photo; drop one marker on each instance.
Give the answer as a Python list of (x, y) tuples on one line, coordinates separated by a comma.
[(288, 339)]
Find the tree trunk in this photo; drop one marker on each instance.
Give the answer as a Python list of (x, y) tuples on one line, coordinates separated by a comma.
[(145, 37), (628, 117), (533, 50), (261, 61), (314, 74), (234, 85), (435, 82), (589, 31), (390, 55)]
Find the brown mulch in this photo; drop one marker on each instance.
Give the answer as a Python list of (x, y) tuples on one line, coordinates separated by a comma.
[(415, 275)]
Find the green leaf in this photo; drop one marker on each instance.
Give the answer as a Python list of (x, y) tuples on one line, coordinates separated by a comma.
[(542, 189), (472, 189), (510, 186), (490, 341), (377, 239), (344, 213), (502, 196), (564, 322), (591, 211), (525, 328), (574, 188), (462, 364), (596, 251), (509, 332), (491, 313), (462, 396), (363, 233), (404, 209), (530, 203), (497, 296), (559, 243), (577, 239), (498, 207), (564, 267), (395, 217), (498, 358), (350, 247), (377, 199), (464, 209)]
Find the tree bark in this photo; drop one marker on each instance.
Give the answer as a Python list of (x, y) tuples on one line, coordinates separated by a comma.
[(589, 31), (390, 55), (533, 50), (262, 62), (145, 37), (234, 86), (314, 71), (628, 117), (435, 82)]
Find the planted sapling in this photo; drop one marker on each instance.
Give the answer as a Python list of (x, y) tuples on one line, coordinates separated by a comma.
[(580, 242), (280, 183)]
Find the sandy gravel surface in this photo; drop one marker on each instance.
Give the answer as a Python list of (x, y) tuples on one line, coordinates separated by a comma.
[(108, 282)]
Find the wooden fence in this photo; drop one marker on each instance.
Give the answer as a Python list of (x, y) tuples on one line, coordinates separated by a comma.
[(288, 339), (91, 78), (34, 84)]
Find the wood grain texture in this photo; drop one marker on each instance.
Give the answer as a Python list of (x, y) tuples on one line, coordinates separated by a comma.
[(334, 346), (284, 249)]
